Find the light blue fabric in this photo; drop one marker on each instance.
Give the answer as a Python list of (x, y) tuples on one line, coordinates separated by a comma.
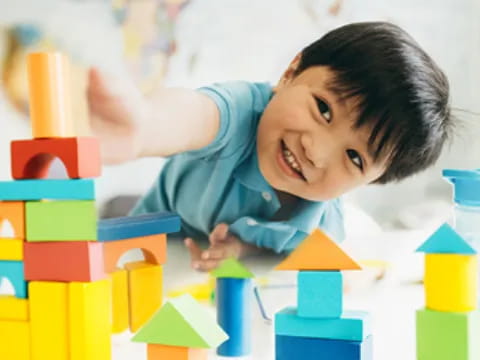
[(222, 182)]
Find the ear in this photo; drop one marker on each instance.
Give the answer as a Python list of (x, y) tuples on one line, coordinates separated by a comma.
[(289, 74)]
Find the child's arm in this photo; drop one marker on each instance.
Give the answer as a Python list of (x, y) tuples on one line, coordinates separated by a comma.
[(222, 246), (130, 126)]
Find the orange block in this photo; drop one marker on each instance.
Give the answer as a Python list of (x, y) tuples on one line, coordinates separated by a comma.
[(50, 95), (154, 248), (161, 352), (31, 159), (14, 213), (64, 261), (318, 252)]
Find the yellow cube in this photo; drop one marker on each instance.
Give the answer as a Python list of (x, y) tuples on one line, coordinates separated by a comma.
[(12, 308), (14, 340), (11, 249), (119, 301), (451, 282), (145, 292), (90, 320)]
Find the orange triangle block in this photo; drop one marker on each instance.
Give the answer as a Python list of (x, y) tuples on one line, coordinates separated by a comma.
[(318, 252)]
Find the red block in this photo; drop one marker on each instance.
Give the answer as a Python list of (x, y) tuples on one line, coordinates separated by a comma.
[(64, 261), (31, 158)]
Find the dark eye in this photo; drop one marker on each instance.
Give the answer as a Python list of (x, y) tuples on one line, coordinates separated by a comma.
[(324, 109), (356, 158)]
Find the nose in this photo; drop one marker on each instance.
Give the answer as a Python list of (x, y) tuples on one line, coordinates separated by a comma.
[(318, 151)]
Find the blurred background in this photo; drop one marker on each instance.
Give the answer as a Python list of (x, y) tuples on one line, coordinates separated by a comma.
[(197, 42)]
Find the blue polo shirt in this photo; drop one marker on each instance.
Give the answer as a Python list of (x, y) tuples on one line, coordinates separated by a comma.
[(222, 183)]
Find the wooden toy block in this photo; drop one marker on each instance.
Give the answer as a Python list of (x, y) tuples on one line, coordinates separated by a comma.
[(15, 340), (90, 320), (234, 315), (31, 159), (49, 320), (318, 252), (12, 308), (64, 261), (352, 326), (161, 352), (154, 248), (14, 212), (447, 335), (294, 347), (233, 269), (138, 226), (182, 322), (120, 308), (319, 294), (54, 189), (451, 282), (446, 241), (144, 292), (50, 95), (61, 220), (14, 272), (11, 249)]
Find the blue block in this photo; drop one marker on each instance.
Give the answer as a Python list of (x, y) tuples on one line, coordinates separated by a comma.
[(55, 189), (13, 271), (319, 294), (234, 315), (137, 226), (294, 348), (352, 326)]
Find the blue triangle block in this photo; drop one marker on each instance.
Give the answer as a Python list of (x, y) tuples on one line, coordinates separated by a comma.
[(446, 241)]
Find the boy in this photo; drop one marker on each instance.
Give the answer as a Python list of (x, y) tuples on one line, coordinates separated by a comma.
[(252, 167)]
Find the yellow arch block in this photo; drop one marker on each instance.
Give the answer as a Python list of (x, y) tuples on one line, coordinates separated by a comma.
[(451, 282), (119, 301)]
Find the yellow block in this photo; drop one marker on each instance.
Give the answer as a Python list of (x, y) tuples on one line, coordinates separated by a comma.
[(11, 249), (145, 291), (90, 320), (12, 308), (451, 282), (119, 301), (49, 321), (14, 340)]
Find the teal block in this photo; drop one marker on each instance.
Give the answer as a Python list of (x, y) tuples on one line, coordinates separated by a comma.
[(352, 326), (14, 272), (319, 294), (54, 189), (446, 241), (447, 335)]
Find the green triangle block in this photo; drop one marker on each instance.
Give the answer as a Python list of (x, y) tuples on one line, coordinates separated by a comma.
[(232, 268), (182, 322)]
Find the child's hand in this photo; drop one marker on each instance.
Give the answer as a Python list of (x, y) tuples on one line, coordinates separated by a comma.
[(222, 246), (114, 111)]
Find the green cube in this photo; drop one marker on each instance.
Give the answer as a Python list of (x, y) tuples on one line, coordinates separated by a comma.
[(61, 220), (448, 335)]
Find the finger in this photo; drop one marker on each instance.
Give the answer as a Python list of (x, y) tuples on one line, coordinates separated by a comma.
[(97, 85), (194, 249), (205, 265), (214, 254), (219, 233)]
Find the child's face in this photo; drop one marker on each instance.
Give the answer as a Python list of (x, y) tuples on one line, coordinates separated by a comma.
[(307, 144)]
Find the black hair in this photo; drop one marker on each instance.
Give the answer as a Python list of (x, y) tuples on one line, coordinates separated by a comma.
[(399, 90)]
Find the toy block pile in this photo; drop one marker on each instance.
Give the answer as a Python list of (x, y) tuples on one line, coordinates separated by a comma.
[(318, 328), (61, 266), (449, 326)]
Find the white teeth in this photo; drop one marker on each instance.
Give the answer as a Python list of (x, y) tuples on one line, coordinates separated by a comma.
[(291, 159)]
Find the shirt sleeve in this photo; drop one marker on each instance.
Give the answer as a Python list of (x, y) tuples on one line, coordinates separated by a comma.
[(237, 104), (282, 236)]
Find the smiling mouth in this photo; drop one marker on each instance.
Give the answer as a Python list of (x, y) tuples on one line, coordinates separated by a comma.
[(291, 161)]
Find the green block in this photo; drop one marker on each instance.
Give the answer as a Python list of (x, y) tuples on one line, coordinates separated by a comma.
[(232, 268), (182, 322), (448, 336), (61, 220)]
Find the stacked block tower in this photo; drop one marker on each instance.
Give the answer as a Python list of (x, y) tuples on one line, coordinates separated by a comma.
[(62, 268), (318, 328), (449, 326)]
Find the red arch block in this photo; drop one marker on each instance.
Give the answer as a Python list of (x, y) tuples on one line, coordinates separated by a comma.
[(154, 248), (31, 158)]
